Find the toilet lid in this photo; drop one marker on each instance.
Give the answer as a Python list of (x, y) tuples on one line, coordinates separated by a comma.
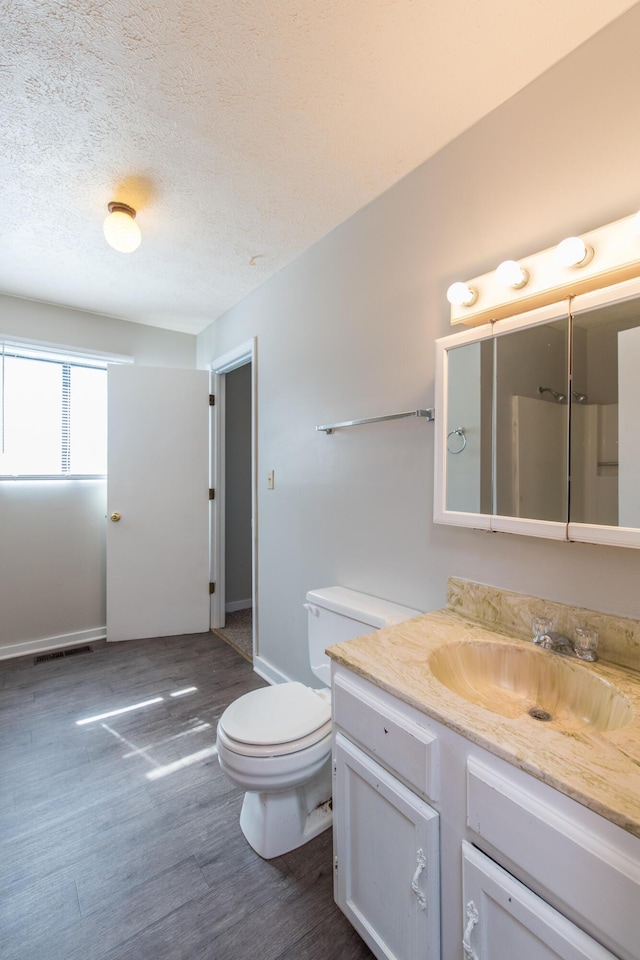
[(278, 714)]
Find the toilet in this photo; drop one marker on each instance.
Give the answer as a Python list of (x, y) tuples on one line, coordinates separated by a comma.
[(275, 743)]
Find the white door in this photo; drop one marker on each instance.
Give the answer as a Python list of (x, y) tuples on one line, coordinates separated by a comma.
[(504, 920), (387, 859), (158, 484)]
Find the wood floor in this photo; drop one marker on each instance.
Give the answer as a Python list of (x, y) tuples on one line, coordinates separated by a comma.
[(119, 836)]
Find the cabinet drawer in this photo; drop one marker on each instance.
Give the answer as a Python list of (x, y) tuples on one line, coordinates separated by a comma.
[(503, 918), (555, 848), (408, 750)]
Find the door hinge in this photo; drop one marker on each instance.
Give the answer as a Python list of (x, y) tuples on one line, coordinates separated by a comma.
[(212, 588), (212, 493), (212, 399)]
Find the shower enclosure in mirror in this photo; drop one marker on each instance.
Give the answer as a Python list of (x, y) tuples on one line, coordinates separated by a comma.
[(536, 430)]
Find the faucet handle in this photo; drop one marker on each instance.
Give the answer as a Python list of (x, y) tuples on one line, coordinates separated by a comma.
[(585, 644), (541, 628)]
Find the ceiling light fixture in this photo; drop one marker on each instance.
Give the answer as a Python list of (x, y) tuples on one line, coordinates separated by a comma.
[(120, 228), (511, 274), (460, 294)]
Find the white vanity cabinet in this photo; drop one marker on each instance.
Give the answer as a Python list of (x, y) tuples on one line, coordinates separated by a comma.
[(386, 837), (447, 852), (386, 862)]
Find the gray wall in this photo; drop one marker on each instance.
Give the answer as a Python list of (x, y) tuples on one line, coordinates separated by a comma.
[(52, 545), (347, 330), (237, 514)]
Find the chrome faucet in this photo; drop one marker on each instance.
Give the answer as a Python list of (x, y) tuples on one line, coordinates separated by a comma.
[(558, 643), (583, 648)]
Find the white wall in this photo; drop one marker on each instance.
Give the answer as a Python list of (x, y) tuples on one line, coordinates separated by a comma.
[(52, 544), (52, 563), (46, 322), (347, 330)]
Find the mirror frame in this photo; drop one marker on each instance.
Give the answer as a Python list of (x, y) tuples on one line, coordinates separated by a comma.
[(555, 530)]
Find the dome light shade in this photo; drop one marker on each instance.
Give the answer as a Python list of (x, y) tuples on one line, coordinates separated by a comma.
[(461, 294), (120, 228), (511, 274)]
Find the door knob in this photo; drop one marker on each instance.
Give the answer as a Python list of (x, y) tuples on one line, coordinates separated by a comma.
[(115, 517)]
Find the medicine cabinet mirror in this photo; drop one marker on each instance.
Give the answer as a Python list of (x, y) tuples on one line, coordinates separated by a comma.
[(538, 426)]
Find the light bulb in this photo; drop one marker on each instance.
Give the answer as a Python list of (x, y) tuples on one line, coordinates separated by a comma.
[(511, 274), (573, 252), (120, 228), (461, 295)]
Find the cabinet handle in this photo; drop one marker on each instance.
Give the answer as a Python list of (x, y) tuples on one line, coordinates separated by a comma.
[(472, 918), (421, 861)]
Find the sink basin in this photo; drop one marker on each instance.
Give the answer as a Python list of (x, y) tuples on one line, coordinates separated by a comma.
[(513, 681)]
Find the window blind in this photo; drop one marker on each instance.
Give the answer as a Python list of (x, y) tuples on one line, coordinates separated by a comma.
[(53, 413)]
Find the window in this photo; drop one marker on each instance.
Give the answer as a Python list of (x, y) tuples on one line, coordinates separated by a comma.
[(53, 414)]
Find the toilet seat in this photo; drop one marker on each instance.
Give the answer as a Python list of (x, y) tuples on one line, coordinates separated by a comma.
[(277, 720), (275, 749)]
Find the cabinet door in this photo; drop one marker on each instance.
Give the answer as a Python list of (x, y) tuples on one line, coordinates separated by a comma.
[(387, 859), (504, 920)]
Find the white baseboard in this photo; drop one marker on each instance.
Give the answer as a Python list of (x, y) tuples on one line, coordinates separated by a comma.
[(238, 605), (268, 672), (28, 647)]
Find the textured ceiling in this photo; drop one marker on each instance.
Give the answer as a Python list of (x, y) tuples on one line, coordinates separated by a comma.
[(241, 130)]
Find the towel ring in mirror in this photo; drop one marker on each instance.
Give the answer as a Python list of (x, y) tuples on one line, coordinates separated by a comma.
[(457, 432)]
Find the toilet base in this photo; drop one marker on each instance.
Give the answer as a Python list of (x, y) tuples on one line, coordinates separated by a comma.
[(275, 823)]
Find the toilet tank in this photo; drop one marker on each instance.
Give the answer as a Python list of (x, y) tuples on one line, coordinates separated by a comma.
[(335, 614)]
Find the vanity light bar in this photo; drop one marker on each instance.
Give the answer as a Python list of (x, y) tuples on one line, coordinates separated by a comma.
[(602, 257)]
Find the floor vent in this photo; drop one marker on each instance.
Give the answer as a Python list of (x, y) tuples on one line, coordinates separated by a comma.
[(49, 656), (58, 654)]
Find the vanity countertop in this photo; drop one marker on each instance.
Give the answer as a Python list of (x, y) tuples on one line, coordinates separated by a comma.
[(599, 770)]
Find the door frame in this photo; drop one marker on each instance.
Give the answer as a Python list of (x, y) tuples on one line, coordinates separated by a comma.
[(242, 354)]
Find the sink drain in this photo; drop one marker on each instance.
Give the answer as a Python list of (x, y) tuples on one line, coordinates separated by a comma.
[(538, 714)]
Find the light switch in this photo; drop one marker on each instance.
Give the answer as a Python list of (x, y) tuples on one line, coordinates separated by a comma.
[(271, 480)]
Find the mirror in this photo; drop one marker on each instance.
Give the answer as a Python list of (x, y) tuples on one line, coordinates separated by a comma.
[(469, 428), (532, 422), (605, 427), (524, 400)]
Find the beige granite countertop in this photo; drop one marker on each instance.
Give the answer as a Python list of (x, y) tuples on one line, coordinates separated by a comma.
[(600, 770)]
